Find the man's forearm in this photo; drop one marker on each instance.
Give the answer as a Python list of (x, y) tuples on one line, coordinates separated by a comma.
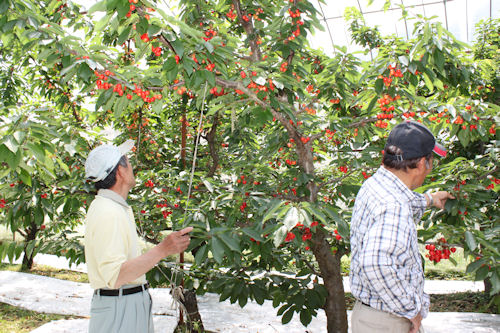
[(132, 269)]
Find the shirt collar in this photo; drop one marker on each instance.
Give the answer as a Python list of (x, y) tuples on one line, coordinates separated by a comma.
[(112, 195), (398, 183)]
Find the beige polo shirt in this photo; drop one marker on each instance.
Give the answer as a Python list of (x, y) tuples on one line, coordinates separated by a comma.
[(110, 239)]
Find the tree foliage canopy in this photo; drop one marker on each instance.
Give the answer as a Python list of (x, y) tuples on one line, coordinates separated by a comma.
[(281, 136)]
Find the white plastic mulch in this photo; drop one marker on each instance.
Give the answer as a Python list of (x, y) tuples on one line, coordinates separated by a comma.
[(44, 294)]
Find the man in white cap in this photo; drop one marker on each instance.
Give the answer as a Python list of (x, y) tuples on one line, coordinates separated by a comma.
[(116, 268), (386, 274)]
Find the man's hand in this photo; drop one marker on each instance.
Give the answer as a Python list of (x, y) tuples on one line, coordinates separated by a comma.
[(176, 242), (439, 198), (415, 323)]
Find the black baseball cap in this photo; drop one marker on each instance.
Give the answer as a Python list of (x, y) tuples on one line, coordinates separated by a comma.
[(414, 139)]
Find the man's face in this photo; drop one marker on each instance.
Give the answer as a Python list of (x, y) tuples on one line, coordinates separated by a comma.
[(129, 177), (423, 170)]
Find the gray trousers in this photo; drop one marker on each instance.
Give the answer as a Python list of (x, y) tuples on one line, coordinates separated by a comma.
[(121, 314)]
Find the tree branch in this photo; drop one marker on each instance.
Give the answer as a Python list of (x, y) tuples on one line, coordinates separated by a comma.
[(362, 122), (308, 264), (210, 137), (249, 29)]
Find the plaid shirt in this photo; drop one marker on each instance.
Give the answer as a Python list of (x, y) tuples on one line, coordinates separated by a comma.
[(386, 267)]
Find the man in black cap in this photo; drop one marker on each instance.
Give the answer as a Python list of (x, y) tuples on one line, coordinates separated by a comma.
[(386, 275)]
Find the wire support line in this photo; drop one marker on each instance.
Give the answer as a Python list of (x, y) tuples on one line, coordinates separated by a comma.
[(404, 17), (195, 152), (394, 8), (467, 18), (328, 28), (445, 14)]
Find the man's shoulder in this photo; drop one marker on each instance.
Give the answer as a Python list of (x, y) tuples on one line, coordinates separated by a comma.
[(101, 201), (103, 207), (376, 187)]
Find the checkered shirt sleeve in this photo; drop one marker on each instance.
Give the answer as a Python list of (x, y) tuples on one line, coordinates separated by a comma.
[(386, 268)]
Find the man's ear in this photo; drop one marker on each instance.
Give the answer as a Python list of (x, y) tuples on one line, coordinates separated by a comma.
[(424, 163), (120, 171)]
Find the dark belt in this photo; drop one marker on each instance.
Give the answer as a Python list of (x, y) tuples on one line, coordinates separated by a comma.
[(116, 292), (366, 304)]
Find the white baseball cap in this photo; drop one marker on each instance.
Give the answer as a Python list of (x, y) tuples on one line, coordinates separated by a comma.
[(103, 159)]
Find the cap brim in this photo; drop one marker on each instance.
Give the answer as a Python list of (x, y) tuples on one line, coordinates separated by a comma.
[(126, 146), (439, 150)]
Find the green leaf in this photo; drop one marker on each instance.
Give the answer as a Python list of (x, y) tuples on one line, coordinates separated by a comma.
[(404, 60), (280, 235), (209, 47), (292, 217), (178, 47), (9, 157), (189, 66), (489, 246), (172, 74), (495, 283), (464, 137), (217, 249), (311, 208), (258, 294), (3, 249), (142, 26), (253, 234), (100, 6), (153, 29), (10, 251), (18, 251), (120, 105), (439, 84), (439, 59), (84, 72), (38, 151), (272, 210), (343, 226), (103, 22), (482, 273), (25, 177), (305, 317), (379, 87), (287, 316), (470, 240), (4, 5), (210, 77), (124, 36), (11, 143), (372, 104), (473, 266), (103, 98), (169, 65), (208, 185), (201, 254), (230, 242), (243, 298), (428, 82), (283, 309)]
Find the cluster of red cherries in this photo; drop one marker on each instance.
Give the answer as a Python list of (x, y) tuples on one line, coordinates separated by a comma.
[(440, 250)]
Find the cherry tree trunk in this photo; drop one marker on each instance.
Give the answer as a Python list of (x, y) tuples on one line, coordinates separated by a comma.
[(329, 264)]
